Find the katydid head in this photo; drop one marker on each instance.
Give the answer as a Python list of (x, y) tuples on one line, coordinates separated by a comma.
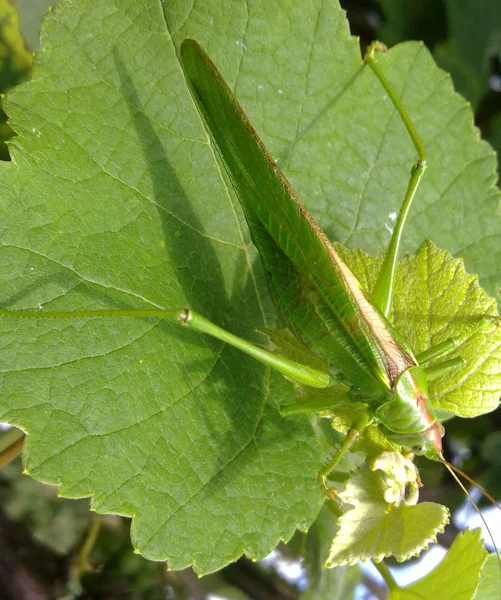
[(430, 444), (409, 417), (426, 443)]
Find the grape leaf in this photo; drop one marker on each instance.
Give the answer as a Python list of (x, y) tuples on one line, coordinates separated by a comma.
[(162, 425), (436, 299), (114, 198), (373, 529), (457, 575)]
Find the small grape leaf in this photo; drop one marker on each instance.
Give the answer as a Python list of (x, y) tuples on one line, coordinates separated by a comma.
[(456, 577), (375, 530), (435, 299)]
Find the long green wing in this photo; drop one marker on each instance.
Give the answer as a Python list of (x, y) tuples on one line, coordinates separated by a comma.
[(314, 291)]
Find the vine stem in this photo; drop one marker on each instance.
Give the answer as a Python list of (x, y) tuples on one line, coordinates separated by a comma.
[(11, 445), (82, 564)]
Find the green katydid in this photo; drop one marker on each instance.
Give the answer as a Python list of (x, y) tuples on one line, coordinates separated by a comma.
[(315, 292)]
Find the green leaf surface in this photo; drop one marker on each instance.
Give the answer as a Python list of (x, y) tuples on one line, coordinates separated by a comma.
[(456, 577), (436, 299), (106, 205), (114, 199), (474, 42), (372, 529), (490, 579)]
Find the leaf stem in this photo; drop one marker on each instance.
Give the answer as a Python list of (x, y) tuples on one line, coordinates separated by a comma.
[(386, 575), (81, 564)]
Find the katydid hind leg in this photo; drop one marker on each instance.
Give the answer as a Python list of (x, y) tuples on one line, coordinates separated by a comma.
[(292, 370), (383, 290)]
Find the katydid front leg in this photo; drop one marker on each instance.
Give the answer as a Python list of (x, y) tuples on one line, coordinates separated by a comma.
[(440, 350), (357, 428)]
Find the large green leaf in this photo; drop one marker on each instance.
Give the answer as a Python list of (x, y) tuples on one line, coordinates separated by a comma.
[(114, 198)]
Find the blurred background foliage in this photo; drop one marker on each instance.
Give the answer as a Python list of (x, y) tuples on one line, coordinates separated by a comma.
[(56, 548)]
